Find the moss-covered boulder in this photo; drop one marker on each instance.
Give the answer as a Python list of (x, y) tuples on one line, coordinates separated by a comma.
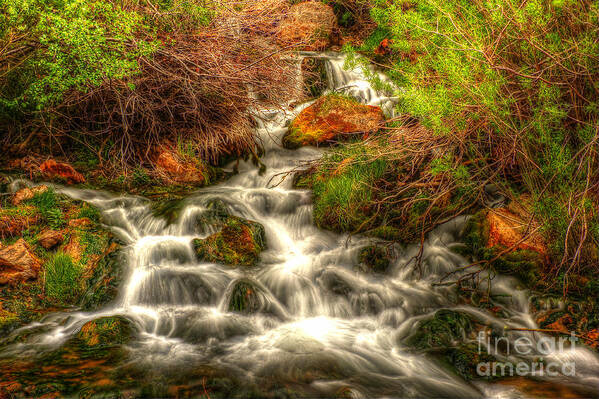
[(106, 331), (247, 297), (330, 118), (487, 234), (450, 336), (376, 258), (239, 243)]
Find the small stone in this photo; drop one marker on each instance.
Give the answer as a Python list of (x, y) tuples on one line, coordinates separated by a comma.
[(50, 239)]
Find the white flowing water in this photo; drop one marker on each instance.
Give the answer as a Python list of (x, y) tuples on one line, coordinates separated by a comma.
[(323, 323)]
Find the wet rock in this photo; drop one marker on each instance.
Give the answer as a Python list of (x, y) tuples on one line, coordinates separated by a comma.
[(310, 25), (441, 330), (18, 263), (239, 242), (170, 167), (507, 229), (330, 118), (50, 239), (27, 193), (486, 235), (314, 74), (375, 258), (247, 297), (51, 169), (106, 331)]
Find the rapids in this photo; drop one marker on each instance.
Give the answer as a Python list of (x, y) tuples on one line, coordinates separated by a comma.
[(307, 335)]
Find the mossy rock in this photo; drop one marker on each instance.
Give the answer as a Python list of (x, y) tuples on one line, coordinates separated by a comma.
[(247, 297), (376, 258), (168, 208), (106, 331), (524, 264), (239, 242), (330, 118), (465, 358), (441, 330)]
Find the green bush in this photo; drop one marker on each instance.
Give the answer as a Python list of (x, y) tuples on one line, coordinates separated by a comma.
[(64, 45), (515, 84), (62, 278)]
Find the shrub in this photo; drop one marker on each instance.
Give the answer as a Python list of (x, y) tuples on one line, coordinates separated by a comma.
[(62, 278), (514, 85), (48, 204)]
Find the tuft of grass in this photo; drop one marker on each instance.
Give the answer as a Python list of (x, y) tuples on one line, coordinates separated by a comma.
[(63, 278), (48, 204), (343, 187)]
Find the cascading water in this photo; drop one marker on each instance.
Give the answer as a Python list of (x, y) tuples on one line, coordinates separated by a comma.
[(321, 323)]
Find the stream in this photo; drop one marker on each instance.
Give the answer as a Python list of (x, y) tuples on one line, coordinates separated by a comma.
[(323, 327)]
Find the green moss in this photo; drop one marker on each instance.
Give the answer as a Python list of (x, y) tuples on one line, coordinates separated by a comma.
[(239, 242), (245, 298), (90, 212)]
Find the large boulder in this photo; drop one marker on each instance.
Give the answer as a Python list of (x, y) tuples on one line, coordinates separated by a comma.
[(171, 168), (331, 117), (18, 263), (239, 242), (309, 25), (63, 171)]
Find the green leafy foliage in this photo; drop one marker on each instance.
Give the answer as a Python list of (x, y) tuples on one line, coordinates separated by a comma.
[(48, 204), (72, 45), (516, 85)]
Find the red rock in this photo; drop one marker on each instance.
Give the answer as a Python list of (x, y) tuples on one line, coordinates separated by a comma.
[(170, 167), (50, 238), (52, 169), (18, 263), (26, 194), (331, 117), (311, 25)]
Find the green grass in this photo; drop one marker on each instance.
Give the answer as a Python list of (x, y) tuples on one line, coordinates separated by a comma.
[(48, 204), (90, 212), (344, 194), (63, 278)]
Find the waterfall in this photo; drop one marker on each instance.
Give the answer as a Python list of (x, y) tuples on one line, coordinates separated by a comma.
[(304, 326)]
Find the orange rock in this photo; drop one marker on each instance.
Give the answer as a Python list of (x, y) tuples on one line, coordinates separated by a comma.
[(50, 238), (169, 166), (331, 117), (507, 229), (18, 263), (311, 25), (52, 169), (27, 193)]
